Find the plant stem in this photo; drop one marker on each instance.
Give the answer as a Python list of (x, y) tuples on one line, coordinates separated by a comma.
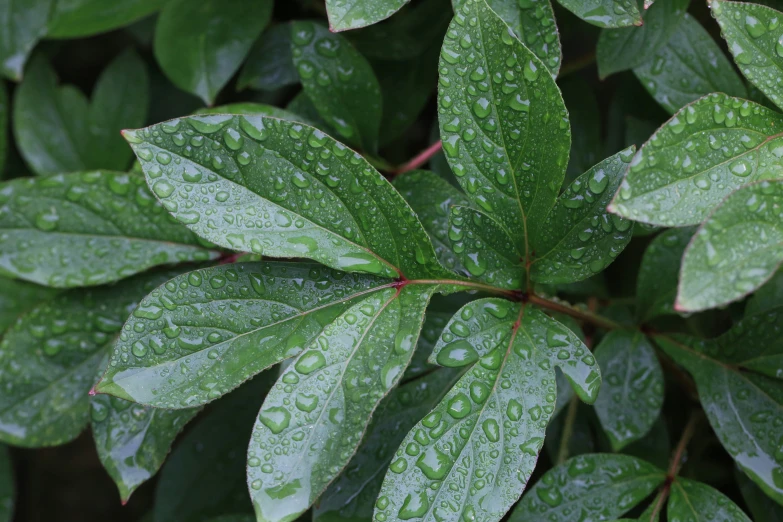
[(585, 316), (419, 160), (568, 430)]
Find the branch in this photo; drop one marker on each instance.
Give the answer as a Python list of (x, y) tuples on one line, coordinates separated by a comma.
[(585, 316), (422, 158)]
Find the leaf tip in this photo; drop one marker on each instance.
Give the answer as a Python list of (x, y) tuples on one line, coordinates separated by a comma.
[(131, 136)]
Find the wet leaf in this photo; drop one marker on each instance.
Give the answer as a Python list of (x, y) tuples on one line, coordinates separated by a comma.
[(579, 237), (7, 487), (736, 250), (605, 13), (632, 392), (654, 447), (269, 64), (706, 151), (4, 125), (507, 146), (86, 229), (339, 210), (761, 506), (659, 273), (18, 297), (258, 109), (339, 81), (767, 297), (78, 18), (481, 442), (200, 45), (353, 14), (697, 502), (22, 24), (604, 485)]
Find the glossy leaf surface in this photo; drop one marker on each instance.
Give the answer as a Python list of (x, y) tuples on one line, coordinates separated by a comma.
[(76, 18), (474, 453), (503, 124), (22, 24), (605, 13), (688, 67), (631, 396), (579, 237), (269, 64), (659, 273), (89, 228), (596, 486), (737, 249), (18, 297), (697, 502), (353, 14), (338, 210), (7, 488), (339, 81), (706, 151), (200, 45)]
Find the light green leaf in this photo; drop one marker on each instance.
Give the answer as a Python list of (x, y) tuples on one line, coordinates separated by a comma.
[(89, 228), (7, 487), (204, 476), (440, 310), (579, 237), (606, 13), (689, 66), (769, 296), (270, 65), (753, 34), (200, 45), (57, 130), (507, 143), (632, 393), (736, 250), (17, 297), (338, 210), (697, 502), (335, 384), (474, 453), (598, 486), (629, 47), (53, 353), (659, 273), (761, 506), (339, 81), (706, 151), (352, 496), (353, 14), (22, 24), (78, 18)]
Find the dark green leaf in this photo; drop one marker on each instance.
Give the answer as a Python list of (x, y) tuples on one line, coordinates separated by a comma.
[(440, 310), (597, 486), (204, 476), (654, 447), (303, 106), (754, 37), (353, 14), (632, 393), (581, 439), (76, 18), (85, 229), (4, 119), (579, 237), (22, 24), (606, 13), (337, 210), (697, 502), (259, 109), (582, 105), (507, 143), (706, 151), (352, 496), (689, 66), (761, 506), (629, 47), (659, 273), (200, 45), (314, 418), (269, 65), (233, 518), (17, 297), (339, 81), (57, 130), (767, 297), (736, 250), (474, 453), (52, 355), (7, 488)]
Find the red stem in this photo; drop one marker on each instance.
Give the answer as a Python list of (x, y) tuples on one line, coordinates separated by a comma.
[(422, 158)]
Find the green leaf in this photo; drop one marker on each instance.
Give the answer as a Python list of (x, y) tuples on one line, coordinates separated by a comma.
[(761, 506), (474, 453), (338, 210), (629, 47), (753, 37), (270, 65), (691, 500), (22, 24), (133, 440), (78, 18), (339, 81), (200, 45), (89, 228), (632, 393), (659, 273), (4, 120), (582, 105), (57, 130), (606, 13), (258, 109), (314, 418), (53, 353), (353, 14), (507, 143), (689, 66), (706, 151), (579, 237), (654, 447), (769, 296), (204, 475), (352, 496), (736, 250), (7, 488), (439, 312), (604, 485), (302, 105), (18, 297)]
